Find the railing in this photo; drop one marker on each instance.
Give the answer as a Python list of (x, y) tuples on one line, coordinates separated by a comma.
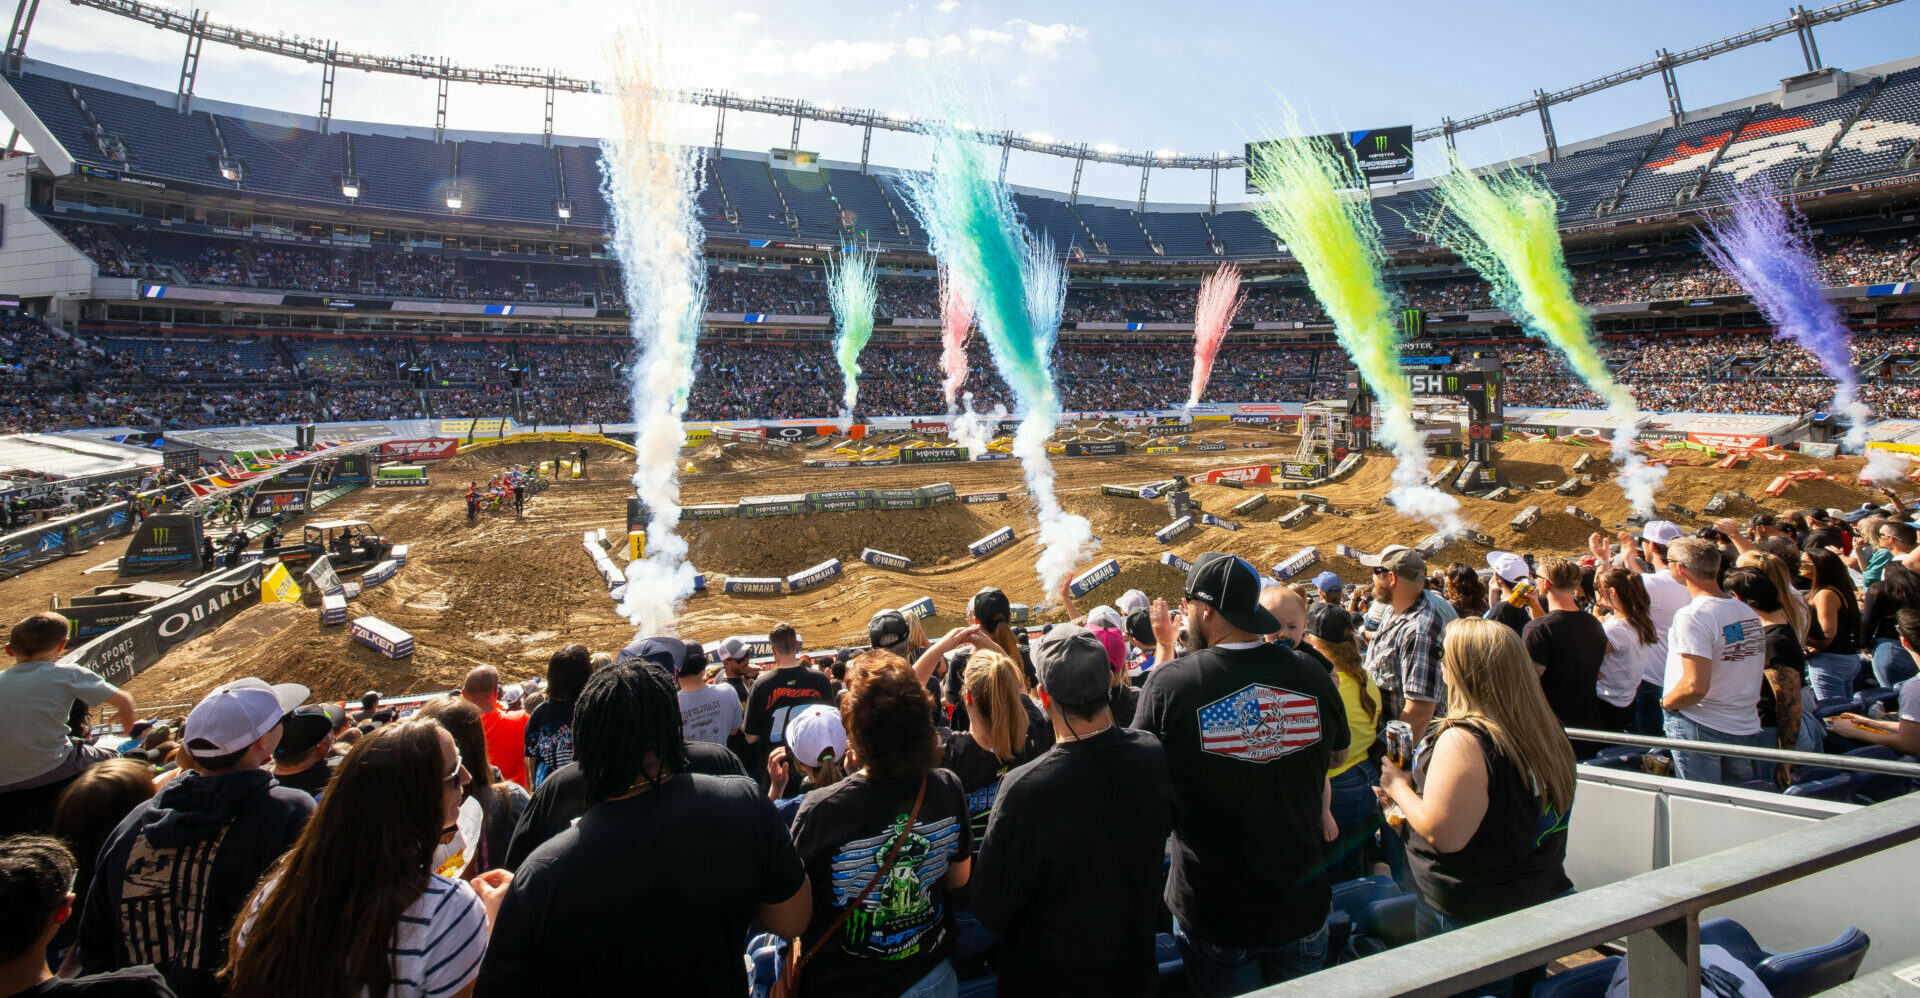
[(1889, 767), (1658, 913)]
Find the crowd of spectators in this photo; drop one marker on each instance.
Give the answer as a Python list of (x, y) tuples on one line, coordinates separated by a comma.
[(918, 793)]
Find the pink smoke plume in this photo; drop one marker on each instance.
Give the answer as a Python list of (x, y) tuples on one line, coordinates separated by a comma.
[(956, 318), (1219, 299)]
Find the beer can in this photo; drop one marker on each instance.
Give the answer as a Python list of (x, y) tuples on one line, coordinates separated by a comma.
[(1521, 590), (1400, 744)]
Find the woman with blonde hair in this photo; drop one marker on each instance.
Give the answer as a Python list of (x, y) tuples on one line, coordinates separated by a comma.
[(1487, 803), (1778, 573), (1001, 724)]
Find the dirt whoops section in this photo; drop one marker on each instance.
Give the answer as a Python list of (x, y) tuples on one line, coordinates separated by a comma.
[(508, 591)]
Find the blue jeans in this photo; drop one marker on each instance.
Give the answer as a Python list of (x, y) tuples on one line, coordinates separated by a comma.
[(1223, 971), (1648, 717), (1357, 812), (1707, 767), (1832, 675), (1891, 663), (940, 982)]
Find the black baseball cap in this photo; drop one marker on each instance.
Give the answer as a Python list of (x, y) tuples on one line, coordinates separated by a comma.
[(888, 631), (1230, 585), (696, 661), (305, 726), (990, 607), (1073, 666), (1140, 627), (1329, 623)]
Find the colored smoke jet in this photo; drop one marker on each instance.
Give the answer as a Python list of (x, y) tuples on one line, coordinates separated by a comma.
[(1018, 288), (652, 183), (852, 290), (1506, 226), (956, 319), (1219, 298), (1304, 202), (1762, 242)]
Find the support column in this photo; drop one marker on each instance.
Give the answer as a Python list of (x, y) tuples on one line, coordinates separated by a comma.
[(17, 36), (190, 63), (546, 132), (440, 107), (1665, 960), (866, 142), (794, 143), (1145, 168), (1674, 108), (329, 68), (720, 125), (1546, 125), (1006, 150), (1213, 187), (1079, 164)]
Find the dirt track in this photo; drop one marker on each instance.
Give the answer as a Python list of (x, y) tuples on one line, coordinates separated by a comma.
[(509, 591)]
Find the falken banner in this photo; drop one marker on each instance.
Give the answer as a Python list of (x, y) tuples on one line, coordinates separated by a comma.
[(56, 539)]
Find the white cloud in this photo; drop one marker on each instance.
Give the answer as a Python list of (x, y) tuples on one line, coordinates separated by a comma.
[(1047, 39), (987, 36), (743, 19), (947, 6), (918, 48)]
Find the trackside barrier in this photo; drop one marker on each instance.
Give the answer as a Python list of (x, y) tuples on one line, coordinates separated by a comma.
[(333, 610), (1091, 579), (379, 573), (1175, 562), (991, 543), (382, 637), (399, 555), (1213, 521), (1296, 563), (1174, 529), (1657, 912), (920, 609), (885, 560), (808, 578), (752, 586)]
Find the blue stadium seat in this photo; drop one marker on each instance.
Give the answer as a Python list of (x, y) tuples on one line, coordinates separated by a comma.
[(1349, 914), (1173, 970), (1799, 974), (1837, 788), (1589, 980), (1619, 757)]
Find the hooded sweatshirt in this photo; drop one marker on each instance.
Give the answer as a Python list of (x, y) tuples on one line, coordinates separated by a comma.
[(173, 876)]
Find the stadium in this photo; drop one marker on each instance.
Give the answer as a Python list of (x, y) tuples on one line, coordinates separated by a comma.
[(401, 407)]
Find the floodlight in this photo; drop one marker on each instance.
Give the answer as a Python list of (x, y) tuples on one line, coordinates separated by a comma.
[(350, 187), (454, 200), (564, 209)]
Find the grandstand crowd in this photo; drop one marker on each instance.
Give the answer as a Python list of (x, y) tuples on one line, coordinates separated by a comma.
[(918, 815)]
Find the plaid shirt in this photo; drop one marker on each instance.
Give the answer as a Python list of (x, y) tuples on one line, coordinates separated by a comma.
[(1405, 656)]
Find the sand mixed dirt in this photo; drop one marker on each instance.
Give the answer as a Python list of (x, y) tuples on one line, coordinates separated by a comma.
[(508, 591)]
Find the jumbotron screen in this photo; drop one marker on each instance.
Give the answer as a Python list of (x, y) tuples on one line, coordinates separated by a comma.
[(1378, 152)]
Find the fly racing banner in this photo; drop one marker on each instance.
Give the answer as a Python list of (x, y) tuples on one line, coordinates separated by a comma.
[(164, 543), (56, 539)]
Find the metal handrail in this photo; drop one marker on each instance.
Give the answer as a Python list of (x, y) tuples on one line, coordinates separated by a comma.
[(1809, 759), (1657, 912)]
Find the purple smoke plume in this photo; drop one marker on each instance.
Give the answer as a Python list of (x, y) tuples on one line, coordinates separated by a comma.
[(1762, 242)]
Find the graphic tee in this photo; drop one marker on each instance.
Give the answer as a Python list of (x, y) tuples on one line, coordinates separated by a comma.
[(1250, 731), (904, 927), (776, 695), (549, 738), (1730, 636), (709, 714)]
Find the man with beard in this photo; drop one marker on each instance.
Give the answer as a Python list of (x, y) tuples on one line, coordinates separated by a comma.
[(1404, 658)]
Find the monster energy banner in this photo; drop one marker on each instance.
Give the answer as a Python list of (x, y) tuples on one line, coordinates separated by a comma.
[(164, 543), (1413, 321), (352, 469), (1377, 153), (56, 539)]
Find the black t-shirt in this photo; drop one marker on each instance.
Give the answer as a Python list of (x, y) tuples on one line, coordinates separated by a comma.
[(1515, 617), (1571, 645), (562, 797), (980, 770), (1122, 700), (1783, 652), (1515, 859), (313, 779), (549, 741), (1081, 829), (774, 696), (1249, 734), (654, 891), (904, 928), (134, 982)]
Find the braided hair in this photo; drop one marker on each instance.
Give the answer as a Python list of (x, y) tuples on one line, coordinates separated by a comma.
[(625, 713)]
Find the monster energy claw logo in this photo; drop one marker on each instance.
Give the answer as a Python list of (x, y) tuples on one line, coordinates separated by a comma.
[(160, 534), (1380, 143)]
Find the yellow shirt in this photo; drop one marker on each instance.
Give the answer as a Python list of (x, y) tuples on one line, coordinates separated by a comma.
[(1360, 725)]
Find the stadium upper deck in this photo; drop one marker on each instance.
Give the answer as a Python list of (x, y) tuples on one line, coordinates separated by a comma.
[(1844, 132)]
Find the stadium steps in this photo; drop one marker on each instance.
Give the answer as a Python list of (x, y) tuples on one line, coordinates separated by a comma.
[(1885, 138), (1608, 204), (329, 494), (786, 207), (1692, 193), (1812, 171)]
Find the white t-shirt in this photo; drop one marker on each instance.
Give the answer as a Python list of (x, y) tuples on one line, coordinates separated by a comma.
[(1665, 597), (439, 943), (1910, 702), (1731, 637), (1621, 670), (709, 714)]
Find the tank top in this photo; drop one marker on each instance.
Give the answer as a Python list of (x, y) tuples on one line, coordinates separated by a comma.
[(1516, 858), (1847, 642)]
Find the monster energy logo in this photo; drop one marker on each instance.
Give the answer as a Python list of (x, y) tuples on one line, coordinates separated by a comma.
[(1380, 143), (1413, 321), (859, 924), (160, 534)]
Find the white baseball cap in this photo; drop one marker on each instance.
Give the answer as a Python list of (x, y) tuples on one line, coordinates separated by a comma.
[(1131, 600), (732, 649), (1106, 616), (1661, 533), (1508, 566), (237, 714), (815, 733)]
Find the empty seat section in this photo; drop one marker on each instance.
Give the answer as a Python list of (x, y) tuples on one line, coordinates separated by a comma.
[(1582, 179), (750, 190), (507, 180), (291, 162), (1242, 233), (49, 100), (1116, 228), (1776, 143), (1047, 216), (159, 140), (582, 164), (809, 200), (1181, 233), (1888, 128), (403, 173), (1676, 164), (873, 216)]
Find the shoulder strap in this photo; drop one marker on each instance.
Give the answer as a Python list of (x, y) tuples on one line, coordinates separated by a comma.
[(886, 864)]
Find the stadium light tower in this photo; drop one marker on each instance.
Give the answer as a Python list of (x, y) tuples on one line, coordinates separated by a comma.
[(455, 199), (564, 209), (350, 187)]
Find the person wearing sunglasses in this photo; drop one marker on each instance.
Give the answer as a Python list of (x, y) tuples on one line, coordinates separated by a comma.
[(355, 907)]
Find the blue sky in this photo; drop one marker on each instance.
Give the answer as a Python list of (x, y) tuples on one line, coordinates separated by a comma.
[(1191, 77)]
